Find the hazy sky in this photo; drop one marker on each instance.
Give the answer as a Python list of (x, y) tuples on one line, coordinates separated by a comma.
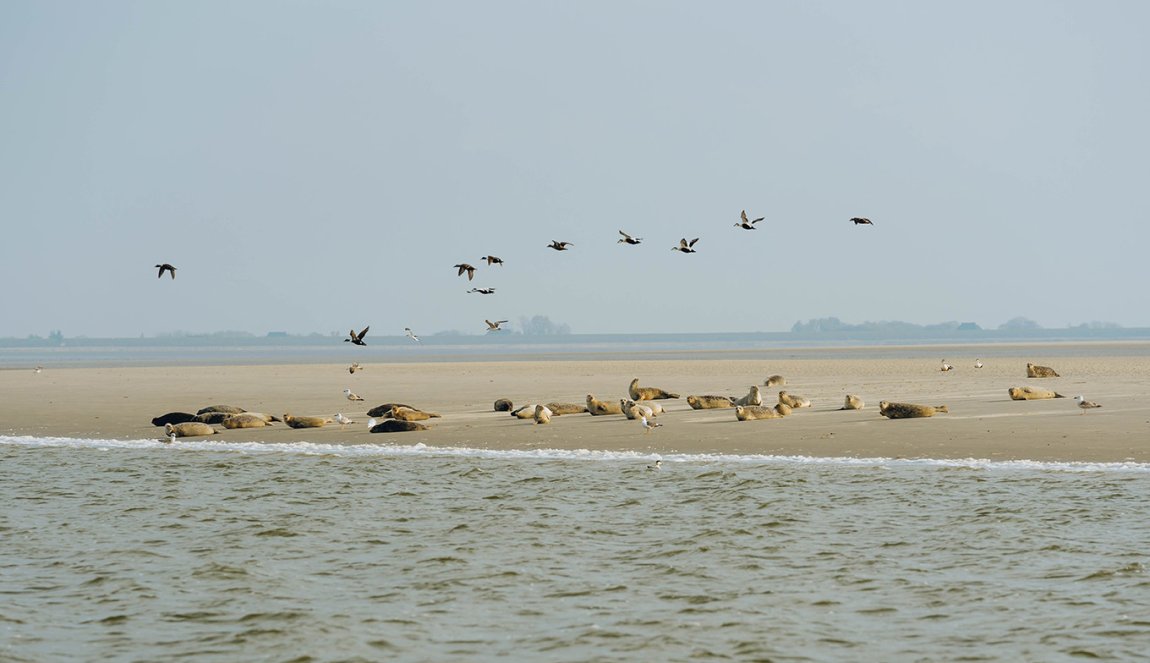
[(314, 166)]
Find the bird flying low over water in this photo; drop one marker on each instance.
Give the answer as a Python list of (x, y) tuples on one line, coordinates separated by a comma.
[(862, 221), (464, 267), (494, 326), (355, 338), (627, 239), (410, 334), (559, 246), (165, 267), (685, 246), (748, 224), (492, 260), (483, 291)]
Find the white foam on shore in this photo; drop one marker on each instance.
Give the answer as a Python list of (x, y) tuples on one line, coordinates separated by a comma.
[(359, 450)]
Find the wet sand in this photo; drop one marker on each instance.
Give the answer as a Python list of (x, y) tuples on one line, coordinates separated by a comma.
[(119, 403)]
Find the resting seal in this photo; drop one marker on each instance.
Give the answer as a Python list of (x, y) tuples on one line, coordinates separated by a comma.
[(410, 414), (397, 426), (638, 393), (559, 409), (524, 411), (775, 381), (503, 405), (382, 410), (1032, 394), (908, 410), (755, 412), (633, 410), (656, 409), (597, 407), (305, 422), (1034, 371), (172, 418), (542, 414), (229, 409), (212, 417), (793, 401), (245, 420), (753, 397), (783, 409), (852, 403), (189, 429), (709, 402)]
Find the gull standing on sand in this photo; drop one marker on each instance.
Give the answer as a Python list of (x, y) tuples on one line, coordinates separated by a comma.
[(649, 426), (165, 267), (978, 363), (410, 334), (342, 420), (1085, 404), (685, 246), (351, 396), (37, 369), (946, 367), (748, 224), (353, 368), (627, 239)]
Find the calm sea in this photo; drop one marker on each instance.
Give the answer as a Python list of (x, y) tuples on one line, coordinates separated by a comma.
[(210, 551)]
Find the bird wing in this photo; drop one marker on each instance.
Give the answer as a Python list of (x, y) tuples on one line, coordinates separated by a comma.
[(363, 333), (683, 243), (744, 215), (692, 241), (161, 272), (757, 220)]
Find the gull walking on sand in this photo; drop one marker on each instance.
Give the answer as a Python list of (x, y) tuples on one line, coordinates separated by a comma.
[(410, 334), (342, 420), (649, 426), (351, 396), (946, 367), (165, 267), (978, 363), (1085, 404)]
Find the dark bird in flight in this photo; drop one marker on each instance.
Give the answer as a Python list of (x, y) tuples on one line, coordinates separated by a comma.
[(494, 326), (627, 239), (862, 221), (492, 260), (357, 338), (464, 267), (685, 246), (166, 268), (559, 246), (483, 291), (748, 224)]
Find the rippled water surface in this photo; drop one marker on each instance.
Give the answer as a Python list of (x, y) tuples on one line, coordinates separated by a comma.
[(143, 551)]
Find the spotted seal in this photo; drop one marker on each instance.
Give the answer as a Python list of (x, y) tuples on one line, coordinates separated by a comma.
[(908, 410), (633, 410), (245, 420), (755, 412), (503, 405), (397, 426), (597, 407), (382, 410), (638, 393), (305, 422), (542, 414), (852, 403), (173, 418), (1035, 371), (524, 411), (794, 402), (410, 414), (560, 409), (189, 429), (1031, 394), (775, 381), (229, 409), (753, 397), (709, 402)]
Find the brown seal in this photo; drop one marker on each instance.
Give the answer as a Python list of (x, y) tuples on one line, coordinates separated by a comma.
[(173, 418), (908, 410), (753, 397), (229, 409), (410, 414), (1032, 394), (305, 422), (503, 405), (559, 409), (542, 414), (189, 429), (1035, 371), (397, 426), (794, 402), (709, 402), (852, 403), (597, 407), (633, 410), (382, 410), (783, 409), (755, 412), (245, 420), (212, 417), (775, 381), (638, 393)]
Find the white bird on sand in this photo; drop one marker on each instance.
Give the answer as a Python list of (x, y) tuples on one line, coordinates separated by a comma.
[(649, 426), (978, 363), (946, 367), (38, 369), (351, 396), (1085, 404), (371, 423), (410, 334), (657, 466), (342, 420)]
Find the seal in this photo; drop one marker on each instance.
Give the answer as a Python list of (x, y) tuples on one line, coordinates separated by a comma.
[(411, 414), (503, 405), (189, 429), (709, 402), (656, 409), (908, 410), (1035, 371), (597, 407), (775, 381), (852, 403), (305, 422), (397, 426), (382, 410), (229, 409), (559, 409), (753, 397), (1031, 394), (633, 410), (524, 411), (542, 414), (212, 417), (795, 402), (172, 418), (756, 412), (783, 409), (245, 420), (638, 393)]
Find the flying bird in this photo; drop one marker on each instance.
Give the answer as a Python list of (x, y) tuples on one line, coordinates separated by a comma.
[(685, 246), (464, 267), (862, 221), (1085, 404), (492, 260), (355, 338), (748, 224), (410, 334), (559, 246), (165, 268), (483, 291), (494, 326), (627, 239), (353, 368), (351, 396)]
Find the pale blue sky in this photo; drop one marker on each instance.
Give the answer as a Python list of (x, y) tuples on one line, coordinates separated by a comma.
[(313, 166)]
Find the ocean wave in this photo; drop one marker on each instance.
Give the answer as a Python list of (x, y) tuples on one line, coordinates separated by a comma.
[(357, 450)]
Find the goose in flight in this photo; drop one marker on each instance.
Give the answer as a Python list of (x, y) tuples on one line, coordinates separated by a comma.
[(559, 246), (748, 224), (410, 334), (355, 338), (165, 267), (862, 221), (483, 291), (627, 239), (464, 267), (685, 246), (492, 260)]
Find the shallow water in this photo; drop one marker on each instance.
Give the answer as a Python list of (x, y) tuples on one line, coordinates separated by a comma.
[(222, 552)]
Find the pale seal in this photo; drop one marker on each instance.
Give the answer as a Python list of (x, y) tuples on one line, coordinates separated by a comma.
[(1032, 394), (542, 414), (709, 402), (597, 407), (755, 412), (1035, 371), (852, 403), (229, 409), (794, 402), (638, 393), (783, 409), (633, 410), (775, 381), (524, 411), (397, 426), (753, 397), (305, 422), (245, 420), (559, 409), (381, 410), (503, 405), (908, 410), (189, 429), (411, 414), (173, 418), (656, 409)]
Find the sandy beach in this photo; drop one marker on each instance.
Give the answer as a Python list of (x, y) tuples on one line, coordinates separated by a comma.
[(119, 403)]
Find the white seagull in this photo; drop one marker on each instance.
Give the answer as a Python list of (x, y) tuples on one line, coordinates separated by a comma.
[(649, 426), (1085, 404), (946, 367), (342, 420), (410, 334), (371, 423), (978, 363), (351, 396)]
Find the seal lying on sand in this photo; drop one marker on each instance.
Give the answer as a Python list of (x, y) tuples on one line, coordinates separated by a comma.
[(709, 402), (1032, 394), (908, 410), (633, 410), (212, 417), (189, 429), (793, 401), (397, 426), (559, 409), (410, 414), (852, 403), (173, 418), (775, 381), (245, 420), (752, 398), (230, 409), (542, 414), (503, 405), (381, 410), (638, 393), (1034, 371), (305, 422), (656, 409), (524, 411), (755, 412), (597, 407)]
